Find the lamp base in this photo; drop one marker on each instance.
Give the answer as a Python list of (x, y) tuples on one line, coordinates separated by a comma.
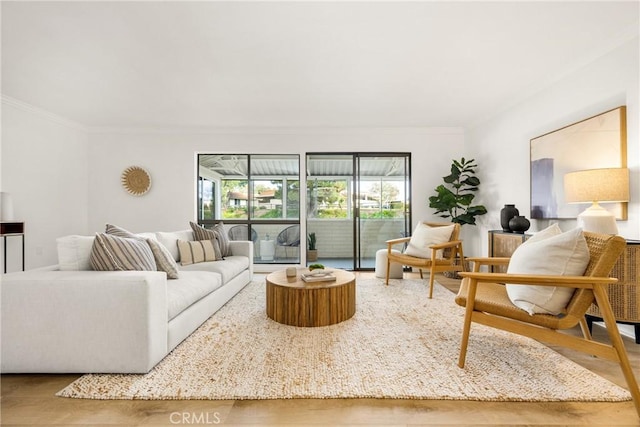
[(598, 220)]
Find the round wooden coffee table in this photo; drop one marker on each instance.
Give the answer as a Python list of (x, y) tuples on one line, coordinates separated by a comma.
[(292, 301)]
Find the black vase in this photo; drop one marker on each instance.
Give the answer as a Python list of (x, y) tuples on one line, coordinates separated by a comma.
[(519, 224), (508, 212)]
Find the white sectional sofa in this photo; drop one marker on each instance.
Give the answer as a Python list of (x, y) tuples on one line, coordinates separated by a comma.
[(82, 321)]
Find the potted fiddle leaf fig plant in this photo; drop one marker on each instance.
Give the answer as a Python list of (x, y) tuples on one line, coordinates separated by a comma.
[(312, 252), (454, 198)]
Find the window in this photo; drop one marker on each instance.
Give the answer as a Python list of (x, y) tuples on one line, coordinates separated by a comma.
[(258, 198)]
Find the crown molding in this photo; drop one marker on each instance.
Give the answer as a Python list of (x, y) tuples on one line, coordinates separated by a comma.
[(279, 130), (21, 105)]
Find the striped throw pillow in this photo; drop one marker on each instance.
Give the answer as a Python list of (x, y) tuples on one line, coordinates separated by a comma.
[(201, 233), (163, 258), (195, 251), (114, 230), (113, 253)]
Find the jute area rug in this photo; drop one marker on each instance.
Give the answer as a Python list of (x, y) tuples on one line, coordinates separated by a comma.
[(399, 345)]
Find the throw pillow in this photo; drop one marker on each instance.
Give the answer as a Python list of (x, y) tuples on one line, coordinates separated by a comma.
[(195, 251), (74, 252), (113, 253), (424, 236), (163, 258), (201, 233), (119, 231), (564, 254), (170, 240)]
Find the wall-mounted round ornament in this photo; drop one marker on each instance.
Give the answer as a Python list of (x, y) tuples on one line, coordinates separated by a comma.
[(136, 180)]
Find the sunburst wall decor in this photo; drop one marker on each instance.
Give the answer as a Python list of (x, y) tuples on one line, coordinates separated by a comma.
[(136, 180)]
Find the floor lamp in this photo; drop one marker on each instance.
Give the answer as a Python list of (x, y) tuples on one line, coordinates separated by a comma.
[(593, 186)]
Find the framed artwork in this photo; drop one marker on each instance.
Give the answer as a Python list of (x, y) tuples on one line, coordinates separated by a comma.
[(593, 143)]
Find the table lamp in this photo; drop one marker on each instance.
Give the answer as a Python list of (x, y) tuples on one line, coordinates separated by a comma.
[(593, 186), (6, 207)]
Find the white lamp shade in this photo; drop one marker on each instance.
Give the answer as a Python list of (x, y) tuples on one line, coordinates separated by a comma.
[(6, 208), (597, 185)]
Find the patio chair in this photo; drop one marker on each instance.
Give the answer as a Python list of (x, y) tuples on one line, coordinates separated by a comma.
[(240, 232), (288, 238)]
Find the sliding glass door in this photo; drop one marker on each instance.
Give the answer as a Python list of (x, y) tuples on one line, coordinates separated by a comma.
[(355, 202)]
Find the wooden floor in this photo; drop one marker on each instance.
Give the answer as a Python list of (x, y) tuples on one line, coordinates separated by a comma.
[(30, 400)]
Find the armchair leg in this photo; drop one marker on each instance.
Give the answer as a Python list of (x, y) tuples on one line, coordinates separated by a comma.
[(617, 343), (466, 328), (388, 268), (421, 274), (432, 275)]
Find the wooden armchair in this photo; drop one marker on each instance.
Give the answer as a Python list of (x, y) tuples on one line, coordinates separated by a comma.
[(450, 250), (486, 301)]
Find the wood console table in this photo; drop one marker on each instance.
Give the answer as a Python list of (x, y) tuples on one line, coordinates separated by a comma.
[(503, 244), (292, 301), (624, 296), (9, 229)]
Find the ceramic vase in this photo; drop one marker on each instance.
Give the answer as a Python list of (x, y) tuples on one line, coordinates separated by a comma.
[(519, 224), (508, 212)]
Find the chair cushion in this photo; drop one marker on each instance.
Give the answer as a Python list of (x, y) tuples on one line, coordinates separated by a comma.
[(549, 252), (424, 236)]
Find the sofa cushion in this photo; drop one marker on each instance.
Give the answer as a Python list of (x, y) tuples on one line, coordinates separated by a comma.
[(113, 253), (201, 233), (163, 258), (229, 268), (564, 254), (170, 240), (196, 251), (74, 252), (188, 289)]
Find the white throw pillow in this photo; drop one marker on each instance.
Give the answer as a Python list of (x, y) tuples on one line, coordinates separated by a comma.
[(170, 240), (424, 236), (74, 252), (552, 230), (564, 254)]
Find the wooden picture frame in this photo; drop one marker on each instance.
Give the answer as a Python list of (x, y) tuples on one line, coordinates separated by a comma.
[(597, 142)]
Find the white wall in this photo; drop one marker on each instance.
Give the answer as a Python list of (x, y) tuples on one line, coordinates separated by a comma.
[(170, 159), (67, 181), (501, 145), (45, 168)]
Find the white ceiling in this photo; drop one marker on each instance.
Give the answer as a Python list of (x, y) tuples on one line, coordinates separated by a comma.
[(206, 64)]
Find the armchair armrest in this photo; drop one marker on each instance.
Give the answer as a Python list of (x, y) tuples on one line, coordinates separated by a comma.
[(445, 245), (397, 241), (585, 282)]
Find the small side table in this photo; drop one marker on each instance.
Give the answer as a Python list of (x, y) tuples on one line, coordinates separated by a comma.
[(267, 249), (9, 229)]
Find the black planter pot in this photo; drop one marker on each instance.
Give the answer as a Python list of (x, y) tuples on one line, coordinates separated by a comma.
[(506, 213)]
